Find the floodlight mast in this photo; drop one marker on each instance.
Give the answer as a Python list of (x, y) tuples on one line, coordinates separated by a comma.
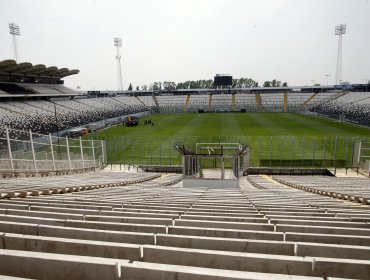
[(118, 44), (14, 31), (340, 30)]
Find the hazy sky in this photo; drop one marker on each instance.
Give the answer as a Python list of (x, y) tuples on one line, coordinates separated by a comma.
[(179, 40)]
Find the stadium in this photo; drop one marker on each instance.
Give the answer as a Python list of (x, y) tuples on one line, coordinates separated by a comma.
[(213, 182)]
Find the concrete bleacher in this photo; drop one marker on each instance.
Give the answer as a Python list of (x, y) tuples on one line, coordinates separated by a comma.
[(222, 102), (198, 102), (171, 103), (246, 101), (39, 116), (353, 106), (353, 189), (117, 225)]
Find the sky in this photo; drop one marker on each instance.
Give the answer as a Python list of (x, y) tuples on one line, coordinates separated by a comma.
[(179, 40)]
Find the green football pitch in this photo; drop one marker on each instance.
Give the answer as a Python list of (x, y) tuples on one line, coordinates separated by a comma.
[(237, 124), (274, 138)]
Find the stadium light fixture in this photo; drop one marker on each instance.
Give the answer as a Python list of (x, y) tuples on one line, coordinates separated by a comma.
[(340, 30), (14, 30), (118, 44)]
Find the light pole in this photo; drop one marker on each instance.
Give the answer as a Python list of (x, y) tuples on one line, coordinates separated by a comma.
[(340, 30), (118, 44), (327, 79), (14, 31)]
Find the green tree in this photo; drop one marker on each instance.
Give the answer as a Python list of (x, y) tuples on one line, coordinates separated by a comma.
[(169, 85), (267, 84), (285, 84), (130, 87), (275, 83)]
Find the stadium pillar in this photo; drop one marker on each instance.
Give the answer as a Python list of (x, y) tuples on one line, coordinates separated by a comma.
[(52, 151), (68, 154), (33, 152), (82, 154), (9, 149)]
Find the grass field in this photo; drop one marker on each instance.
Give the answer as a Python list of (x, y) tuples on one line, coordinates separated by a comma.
[(274, 138)]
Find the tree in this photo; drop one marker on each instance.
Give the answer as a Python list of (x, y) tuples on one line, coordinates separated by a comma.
[(267, 84), (155, 86), (285, 84), (144, 87), (275, 83), (169, 85), (137, 88), (130, 87)]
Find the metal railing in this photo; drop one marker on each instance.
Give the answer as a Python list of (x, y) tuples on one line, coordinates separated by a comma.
[(28, 152), (274, 152)]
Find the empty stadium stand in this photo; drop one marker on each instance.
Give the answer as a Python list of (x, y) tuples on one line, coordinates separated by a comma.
[(115, 225), (33, 97)]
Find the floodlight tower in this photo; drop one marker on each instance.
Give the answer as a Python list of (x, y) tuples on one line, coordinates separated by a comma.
[(14, 31), (340, 30), (118, 44)]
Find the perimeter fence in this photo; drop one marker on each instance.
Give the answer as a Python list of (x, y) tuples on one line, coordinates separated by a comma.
[(274, 152), (24, 151)]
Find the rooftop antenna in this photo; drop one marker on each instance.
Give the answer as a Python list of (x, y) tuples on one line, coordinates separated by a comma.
[(14, 31), (340, 30), (118, 44)]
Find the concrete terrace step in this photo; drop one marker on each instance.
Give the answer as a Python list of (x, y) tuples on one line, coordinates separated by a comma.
[(148, 230)]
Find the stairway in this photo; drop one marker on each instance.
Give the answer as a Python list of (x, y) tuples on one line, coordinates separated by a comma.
[(309, 99), (156, 102)]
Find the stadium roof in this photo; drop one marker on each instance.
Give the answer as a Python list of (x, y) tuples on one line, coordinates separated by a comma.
[(11, 71)]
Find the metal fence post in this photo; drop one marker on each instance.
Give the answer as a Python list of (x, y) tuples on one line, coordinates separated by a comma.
[(302, 152), (323, 162), (9, 149), (68, 155), (169, 146), (335, 156), (33, 152), (353, 151), (82, 154), (281, 152), (103, 153), (93, 153), (346, 156), (260, 150), (160, 153), (270, 151), (52, 152), (291, 152)]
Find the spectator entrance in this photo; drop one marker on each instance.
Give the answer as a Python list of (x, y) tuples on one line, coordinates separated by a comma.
[(214, 164)]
